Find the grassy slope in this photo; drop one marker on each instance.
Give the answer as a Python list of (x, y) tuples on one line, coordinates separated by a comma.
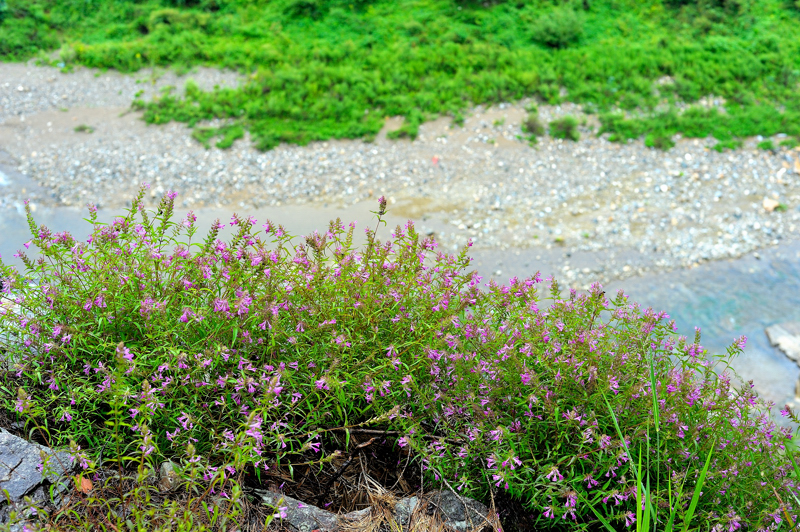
[(337, 68)]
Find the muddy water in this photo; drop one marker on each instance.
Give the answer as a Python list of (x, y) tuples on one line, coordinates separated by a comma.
[(724, 298)]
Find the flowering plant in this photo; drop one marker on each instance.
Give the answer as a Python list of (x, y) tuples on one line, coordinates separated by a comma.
[(256, 355)]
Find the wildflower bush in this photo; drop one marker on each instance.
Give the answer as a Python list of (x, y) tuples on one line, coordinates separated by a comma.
[(262, 356)]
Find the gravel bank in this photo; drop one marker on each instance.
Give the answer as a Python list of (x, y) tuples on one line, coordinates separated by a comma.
[(630, 208)]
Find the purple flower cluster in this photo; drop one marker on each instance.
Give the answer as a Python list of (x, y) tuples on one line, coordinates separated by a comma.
[(251, 350)]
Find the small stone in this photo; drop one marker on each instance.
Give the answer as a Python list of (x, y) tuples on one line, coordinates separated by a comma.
[(786, 337), (769, 204)]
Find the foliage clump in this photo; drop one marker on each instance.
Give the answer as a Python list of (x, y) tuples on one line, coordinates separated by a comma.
[(565, 128), (559, 28), (532, 124), (251, 358), (767, 145)]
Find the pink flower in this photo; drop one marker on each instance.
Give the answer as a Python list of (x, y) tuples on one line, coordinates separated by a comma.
[(187, 313), (554, 475), (629, 519), (190, 219)]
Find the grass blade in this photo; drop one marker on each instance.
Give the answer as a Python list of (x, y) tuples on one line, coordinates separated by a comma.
[(619, 431), (657, 423), (600, 518), (639, 496), (673, 507), (698, 488), (640, 488)]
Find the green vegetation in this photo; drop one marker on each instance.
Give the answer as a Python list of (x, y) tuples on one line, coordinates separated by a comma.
[(731, 144), (319, 69), (83, 128), (766, 145), (532, 125), (261, 358), (789, 143), (565, 128), (558, 28)]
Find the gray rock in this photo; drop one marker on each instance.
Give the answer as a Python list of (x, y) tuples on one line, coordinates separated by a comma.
[(434, 508), (453, 512), (300, 516), (786, 337), (21, 474)]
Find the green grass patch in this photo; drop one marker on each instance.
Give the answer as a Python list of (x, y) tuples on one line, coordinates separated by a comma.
[(765, 145), (565, 128), (533, 126), (789, 143), (320, 69)]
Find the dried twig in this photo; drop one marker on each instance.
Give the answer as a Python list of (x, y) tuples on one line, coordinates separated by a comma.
[(342, 469)]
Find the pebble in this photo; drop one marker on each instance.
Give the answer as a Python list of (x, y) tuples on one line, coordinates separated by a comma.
[(482, 182)]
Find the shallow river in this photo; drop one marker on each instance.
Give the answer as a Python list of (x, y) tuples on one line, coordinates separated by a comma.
[(725, 298)]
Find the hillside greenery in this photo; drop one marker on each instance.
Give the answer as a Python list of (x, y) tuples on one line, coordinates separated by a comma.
[(319, 69)]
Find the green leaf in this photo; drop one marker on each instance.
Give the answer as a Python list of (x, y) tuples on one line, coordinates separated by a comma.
[(697, 489), (600, 518)]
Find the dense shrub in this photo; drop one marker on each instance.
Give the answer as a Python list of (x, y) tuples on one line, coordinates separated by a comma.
[(559, 28), (565, 128), (251, 353)]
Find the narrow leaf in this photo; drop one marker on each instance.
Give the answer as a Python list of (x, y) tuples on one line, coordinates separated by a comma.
[(697, 489)]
